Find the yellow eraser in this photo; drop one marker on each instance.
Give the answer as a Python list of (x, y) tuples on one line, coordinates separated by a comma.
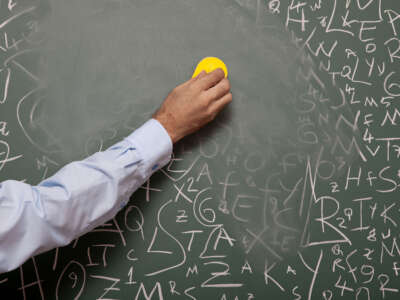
[(209, 64)]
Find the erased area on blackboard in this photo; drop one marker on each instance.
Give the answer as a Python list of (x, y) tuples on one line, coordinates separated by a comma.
[(108, 65)]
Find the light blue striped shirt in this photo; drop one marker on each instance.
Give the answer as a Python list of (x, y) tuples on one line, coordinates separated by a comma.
[(79, 197)]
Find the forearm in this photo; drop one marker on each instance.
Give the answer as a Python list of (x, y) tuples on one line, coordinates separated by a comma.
[(79, 197)]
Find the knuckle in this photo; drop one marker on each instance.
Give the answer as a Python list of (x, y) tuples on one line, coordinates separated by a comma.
[(204, 104), (210, 113), (225, 84), (207, 98), (228, 83), (209, 118), (213, 95), (220, 72), (194, 87)]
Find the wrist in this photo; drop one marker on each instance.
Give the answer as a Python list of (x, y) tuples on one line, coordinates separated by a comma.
[(169, 128)]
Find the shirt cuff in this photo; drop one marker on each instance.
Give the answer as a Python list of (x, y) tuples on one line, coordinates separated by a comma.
[(154, 145)]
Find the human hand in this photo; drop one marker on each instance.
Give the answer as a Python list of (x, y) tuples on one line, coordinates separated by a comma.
[(194, 103)]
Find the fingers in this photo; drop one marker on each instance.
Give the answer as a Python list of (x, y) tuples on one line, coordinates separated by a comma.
[(218, 105), (210, 79), (201, 74), (219, 90), (191, 80)]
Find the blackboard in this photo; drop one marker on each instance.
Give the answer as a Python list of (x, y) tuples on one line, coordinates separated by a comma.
[(291, 193)]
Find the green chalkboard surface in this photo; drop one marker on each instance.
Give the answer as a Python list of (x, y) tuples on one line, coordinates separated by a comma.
[(291, 193)]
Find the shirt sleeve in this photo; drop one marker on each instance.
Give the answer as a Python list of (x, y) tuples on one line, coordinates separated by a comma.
[(79, 197)]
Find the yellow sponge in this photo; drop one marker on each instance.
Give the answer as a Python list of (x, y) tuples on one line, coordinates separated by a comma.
[(209, 64)]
